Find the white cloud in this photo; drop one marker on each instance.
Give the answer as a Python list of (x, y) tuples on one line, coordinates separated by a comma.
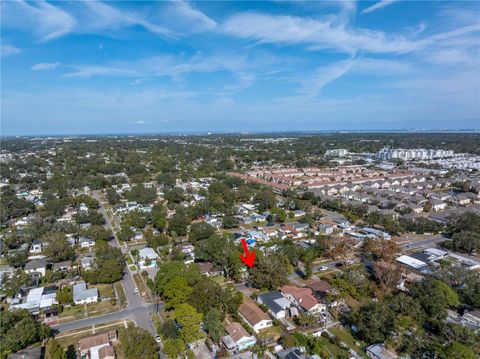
[(45, 20), (89, 71), (8, 50), (379, 5), (322, 76), (327, 34), (45, 66), (241, 67), (48, 22), (98, 17), (195, 19)]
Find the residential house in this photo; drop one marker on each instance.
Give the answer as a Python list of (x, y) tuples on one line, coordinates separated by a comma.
[(376, 233), (6, 271), (36, 246), (147, 258), (441, 196), (301, 227), (378, 351), (85, 242), (64, 266), (254, 316), (473, 317), (82, 295), (407, 279), (36, 299), (37, 265), (238, 338), (325, 229), (416, 208), (303, 298), (87, 262), (461, 199), (298, 213), (93, 347), (208, 269), (293, 353), (320, 288), (277, 304), (437, 205)]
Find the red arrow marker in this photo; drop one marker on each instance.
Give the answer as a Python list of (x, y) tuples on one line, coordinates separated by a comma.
[(248, 258)]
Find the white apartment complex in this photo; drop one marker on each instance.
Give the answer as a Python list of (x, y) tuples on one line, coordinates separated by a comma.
[(412, 154)]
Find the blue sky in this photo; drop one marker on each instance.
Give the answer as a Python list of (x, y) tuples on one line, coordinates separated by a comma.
[(137, 67)]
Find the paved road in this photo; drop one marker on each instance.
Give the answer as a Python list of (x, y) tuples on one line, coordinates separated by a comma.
[(425, 243), (136, 310), (140, 315)]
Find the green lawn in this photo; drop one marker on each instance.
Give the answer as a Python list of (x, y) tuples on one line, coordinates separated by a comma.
[(72, 337), (105, 290), (220, 279), (334, 350), (141, 287), (272, 332), (122, 299), (100, 308), (348, 339), (71, 313)]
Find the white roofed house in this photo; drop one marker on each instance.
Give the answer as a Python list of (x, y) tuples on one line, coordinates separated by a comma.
[(82, 295), (378, 351), (85, 242), (438, 205), (36, 246), (147, 258), (87, 263), (37, 299)]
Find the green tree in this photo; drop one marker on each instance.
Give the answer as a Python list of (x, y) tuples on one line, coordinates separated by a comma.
[(170, 270), (176, 292), (109, 265), (17, 258), (189, 320), (459, 351), (12, 285), (169, 329), (138, 343), (178, 224), (173, 348), (222, 252), (270, 271), (58, 248), (200, 231), (125, 234), (212, 323), (65, 295), (175, 195), (435, 297), (55, 350), (230, 222), (159, 217), (113, 197), (19, 329)]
